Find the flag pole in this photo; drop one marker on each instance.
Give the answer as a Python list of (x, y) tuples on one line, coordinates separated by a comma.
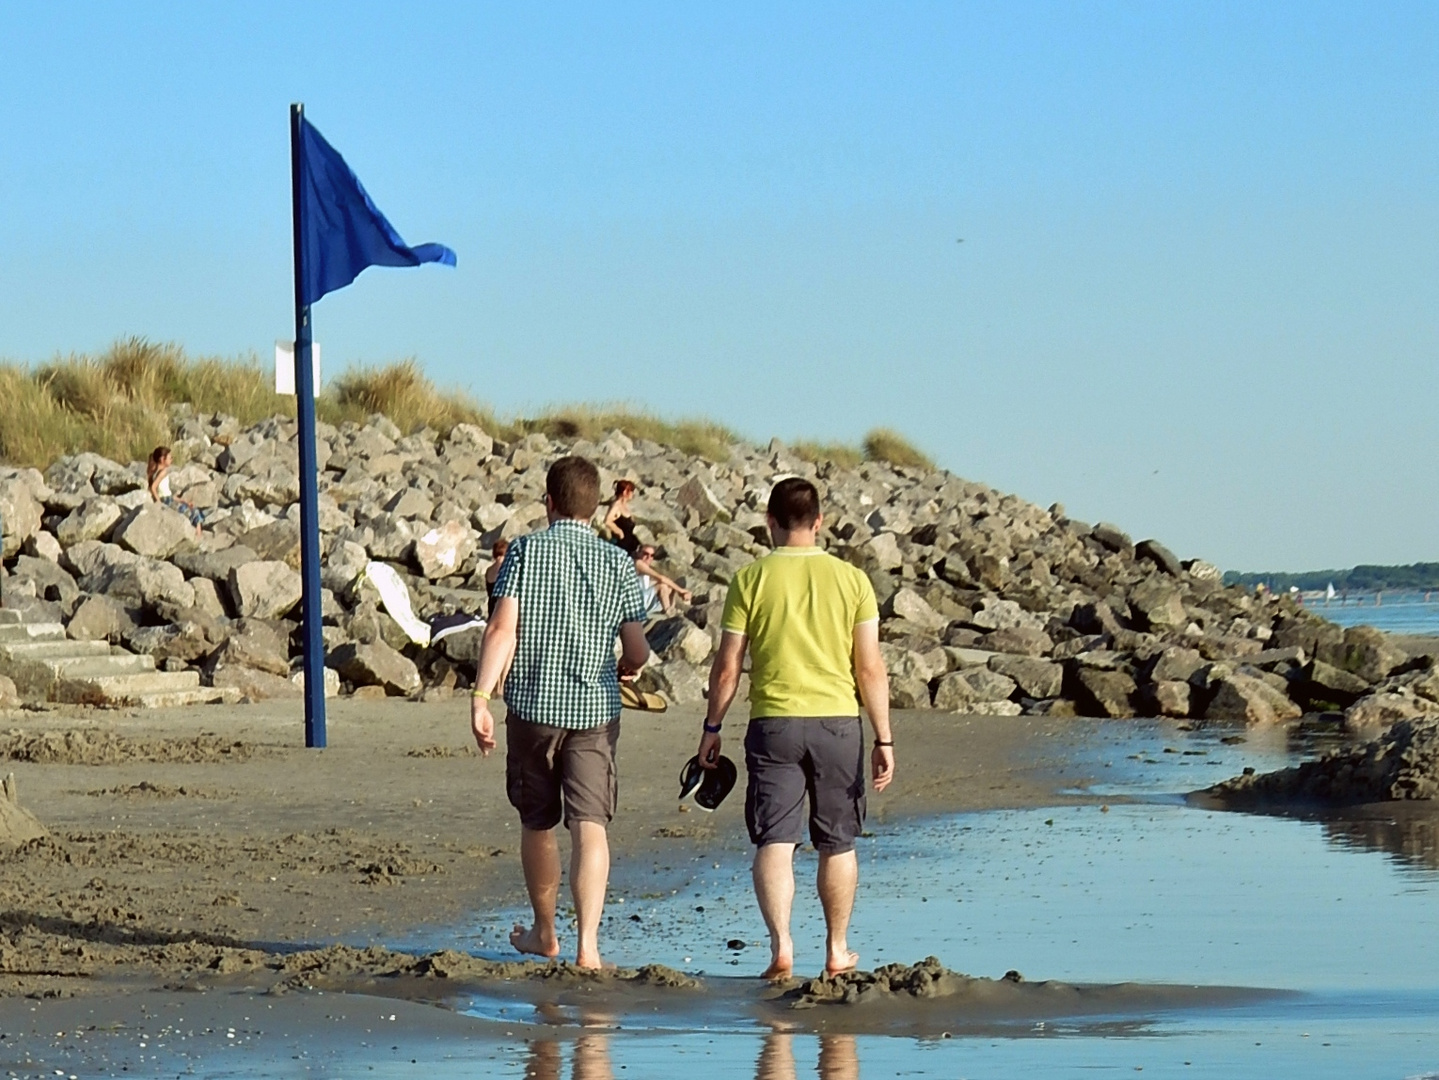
[(314, 641)]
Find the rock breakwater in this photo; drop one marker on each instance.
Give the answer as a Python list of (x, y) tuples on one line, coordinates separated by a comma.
[(990, 604), (1401, 764)]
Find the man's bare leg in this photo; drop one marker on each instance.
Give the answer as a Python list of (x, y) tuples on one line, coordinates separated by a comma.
[(774, 889), (540, 857), (589, 878), (838, 877)]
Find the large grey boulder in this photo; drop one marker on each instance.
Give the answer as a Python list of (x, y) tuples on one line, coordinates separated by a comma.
[(252, 643), (1364, 651), (20, 511), (215, 565), (146, 582), (1155, 552), (961, 689), (1176, 664), (411, 503), (1378, 711), (91, 520), (909, 692), (253, 684), (99, 618), (1112, 537), (1105, 693), (1035, 678), (277, 541), (1169, 698), (345, 562), (264, 590), (909, 605), (678, 680), (154, 531), (1249, 700), (1159, 604), (376, 664), (694, 496), (444, 550), (676, 638), (1018, 640), (1326, 686), (882, 552), (185, 641)]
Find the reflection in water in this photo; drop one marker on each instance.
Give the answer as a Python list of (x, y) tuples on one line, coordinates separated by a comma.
[(1412, 840), (591, 1059), (592, 1050), (838, 1058)]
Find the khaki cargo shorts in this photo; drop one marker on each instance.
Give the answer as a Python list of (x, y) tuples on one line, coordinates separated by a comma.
[(549, 768)]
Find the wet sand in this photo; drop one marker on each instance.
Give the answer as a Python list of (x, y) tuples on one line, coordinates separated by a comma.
[(181, 837), (203, 856)]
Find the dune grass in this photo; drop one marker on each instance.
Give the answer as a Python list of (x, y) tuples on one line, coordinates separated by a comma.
[(119, 404), (700, 437), (881, 444), (834, 453), (889, 446), (404, 394)]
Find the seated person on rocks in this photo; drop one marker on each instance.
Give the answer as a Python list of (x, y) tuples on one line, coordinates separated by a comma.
[(619, 524), (492, 572), (659, 591), (157, 476)]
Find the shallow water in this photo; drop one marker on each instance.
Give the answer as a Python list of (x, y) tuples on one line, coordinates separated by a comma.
[(1345, 911)]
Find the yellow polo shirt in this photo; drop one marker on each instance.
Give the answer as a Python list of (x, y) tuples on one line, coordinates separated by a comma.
[(798, 607)]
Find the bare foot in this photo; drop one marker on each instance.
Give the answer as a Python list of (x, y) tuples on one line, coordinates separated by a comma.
[(528, 939), (779, 970), (592, 962), (839, 964)]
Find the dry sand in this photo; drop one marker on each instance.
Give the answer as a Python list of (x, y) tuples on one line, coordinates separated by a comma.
[(189, 844)]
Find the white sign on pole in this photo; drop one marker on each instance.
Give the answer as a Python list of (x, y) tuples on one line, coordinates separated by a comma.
[(285, 366)]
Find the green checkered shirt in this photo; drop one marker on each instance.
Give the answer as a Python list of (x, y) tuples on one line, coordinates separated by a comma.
[(574, 591)]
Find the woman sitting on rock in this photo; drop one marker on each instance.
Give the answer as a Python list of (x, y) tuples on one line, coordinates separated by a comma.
[(619, 525), (658, 591), (492, 572), (157, 475)]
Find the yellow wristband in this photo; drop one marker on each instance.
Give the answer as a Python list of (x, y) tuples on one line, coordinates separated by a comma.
[(481, 694)]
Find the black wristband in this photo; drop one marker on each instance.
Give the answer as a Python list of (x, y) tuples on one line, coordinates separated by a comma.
[(712, 730), (877, 742)]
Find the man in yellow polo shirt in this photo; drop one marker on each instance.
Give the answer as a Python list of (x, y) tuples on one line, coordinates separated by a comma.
[(811, 625)]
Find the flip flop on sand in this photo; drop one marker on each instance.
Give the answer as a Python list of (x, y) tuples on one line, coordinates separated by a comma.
[(631, 697)]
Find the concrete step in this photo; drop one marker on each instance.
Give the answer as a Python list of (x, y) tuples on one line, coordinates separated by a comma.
[(10, 617), (18, 651), (122, 689), (200, 695), (89, 667), (19, 633)]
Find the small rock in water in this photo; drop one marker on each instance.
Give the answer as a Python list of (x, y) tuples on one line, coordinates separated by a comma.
[(735, 943)]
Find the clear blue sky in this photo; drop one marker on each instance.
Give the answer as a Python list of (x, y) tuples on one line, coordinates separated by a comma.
[(1196, 294)]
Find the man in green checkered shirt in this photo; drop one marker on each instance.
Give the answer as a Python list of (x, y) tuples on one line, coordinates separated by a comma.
[(562, 597)]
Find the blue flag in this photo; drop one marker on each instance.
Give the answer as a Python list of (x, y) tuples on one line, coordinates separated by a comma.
[(342, 231)]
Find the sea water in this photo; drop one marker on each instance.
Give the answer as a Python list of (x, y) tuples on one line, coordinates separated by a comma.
[(1398, 612)]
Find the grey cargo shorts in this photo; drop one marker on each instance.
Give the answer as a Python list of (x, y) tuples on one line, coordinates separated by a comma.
[(791, 759)]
